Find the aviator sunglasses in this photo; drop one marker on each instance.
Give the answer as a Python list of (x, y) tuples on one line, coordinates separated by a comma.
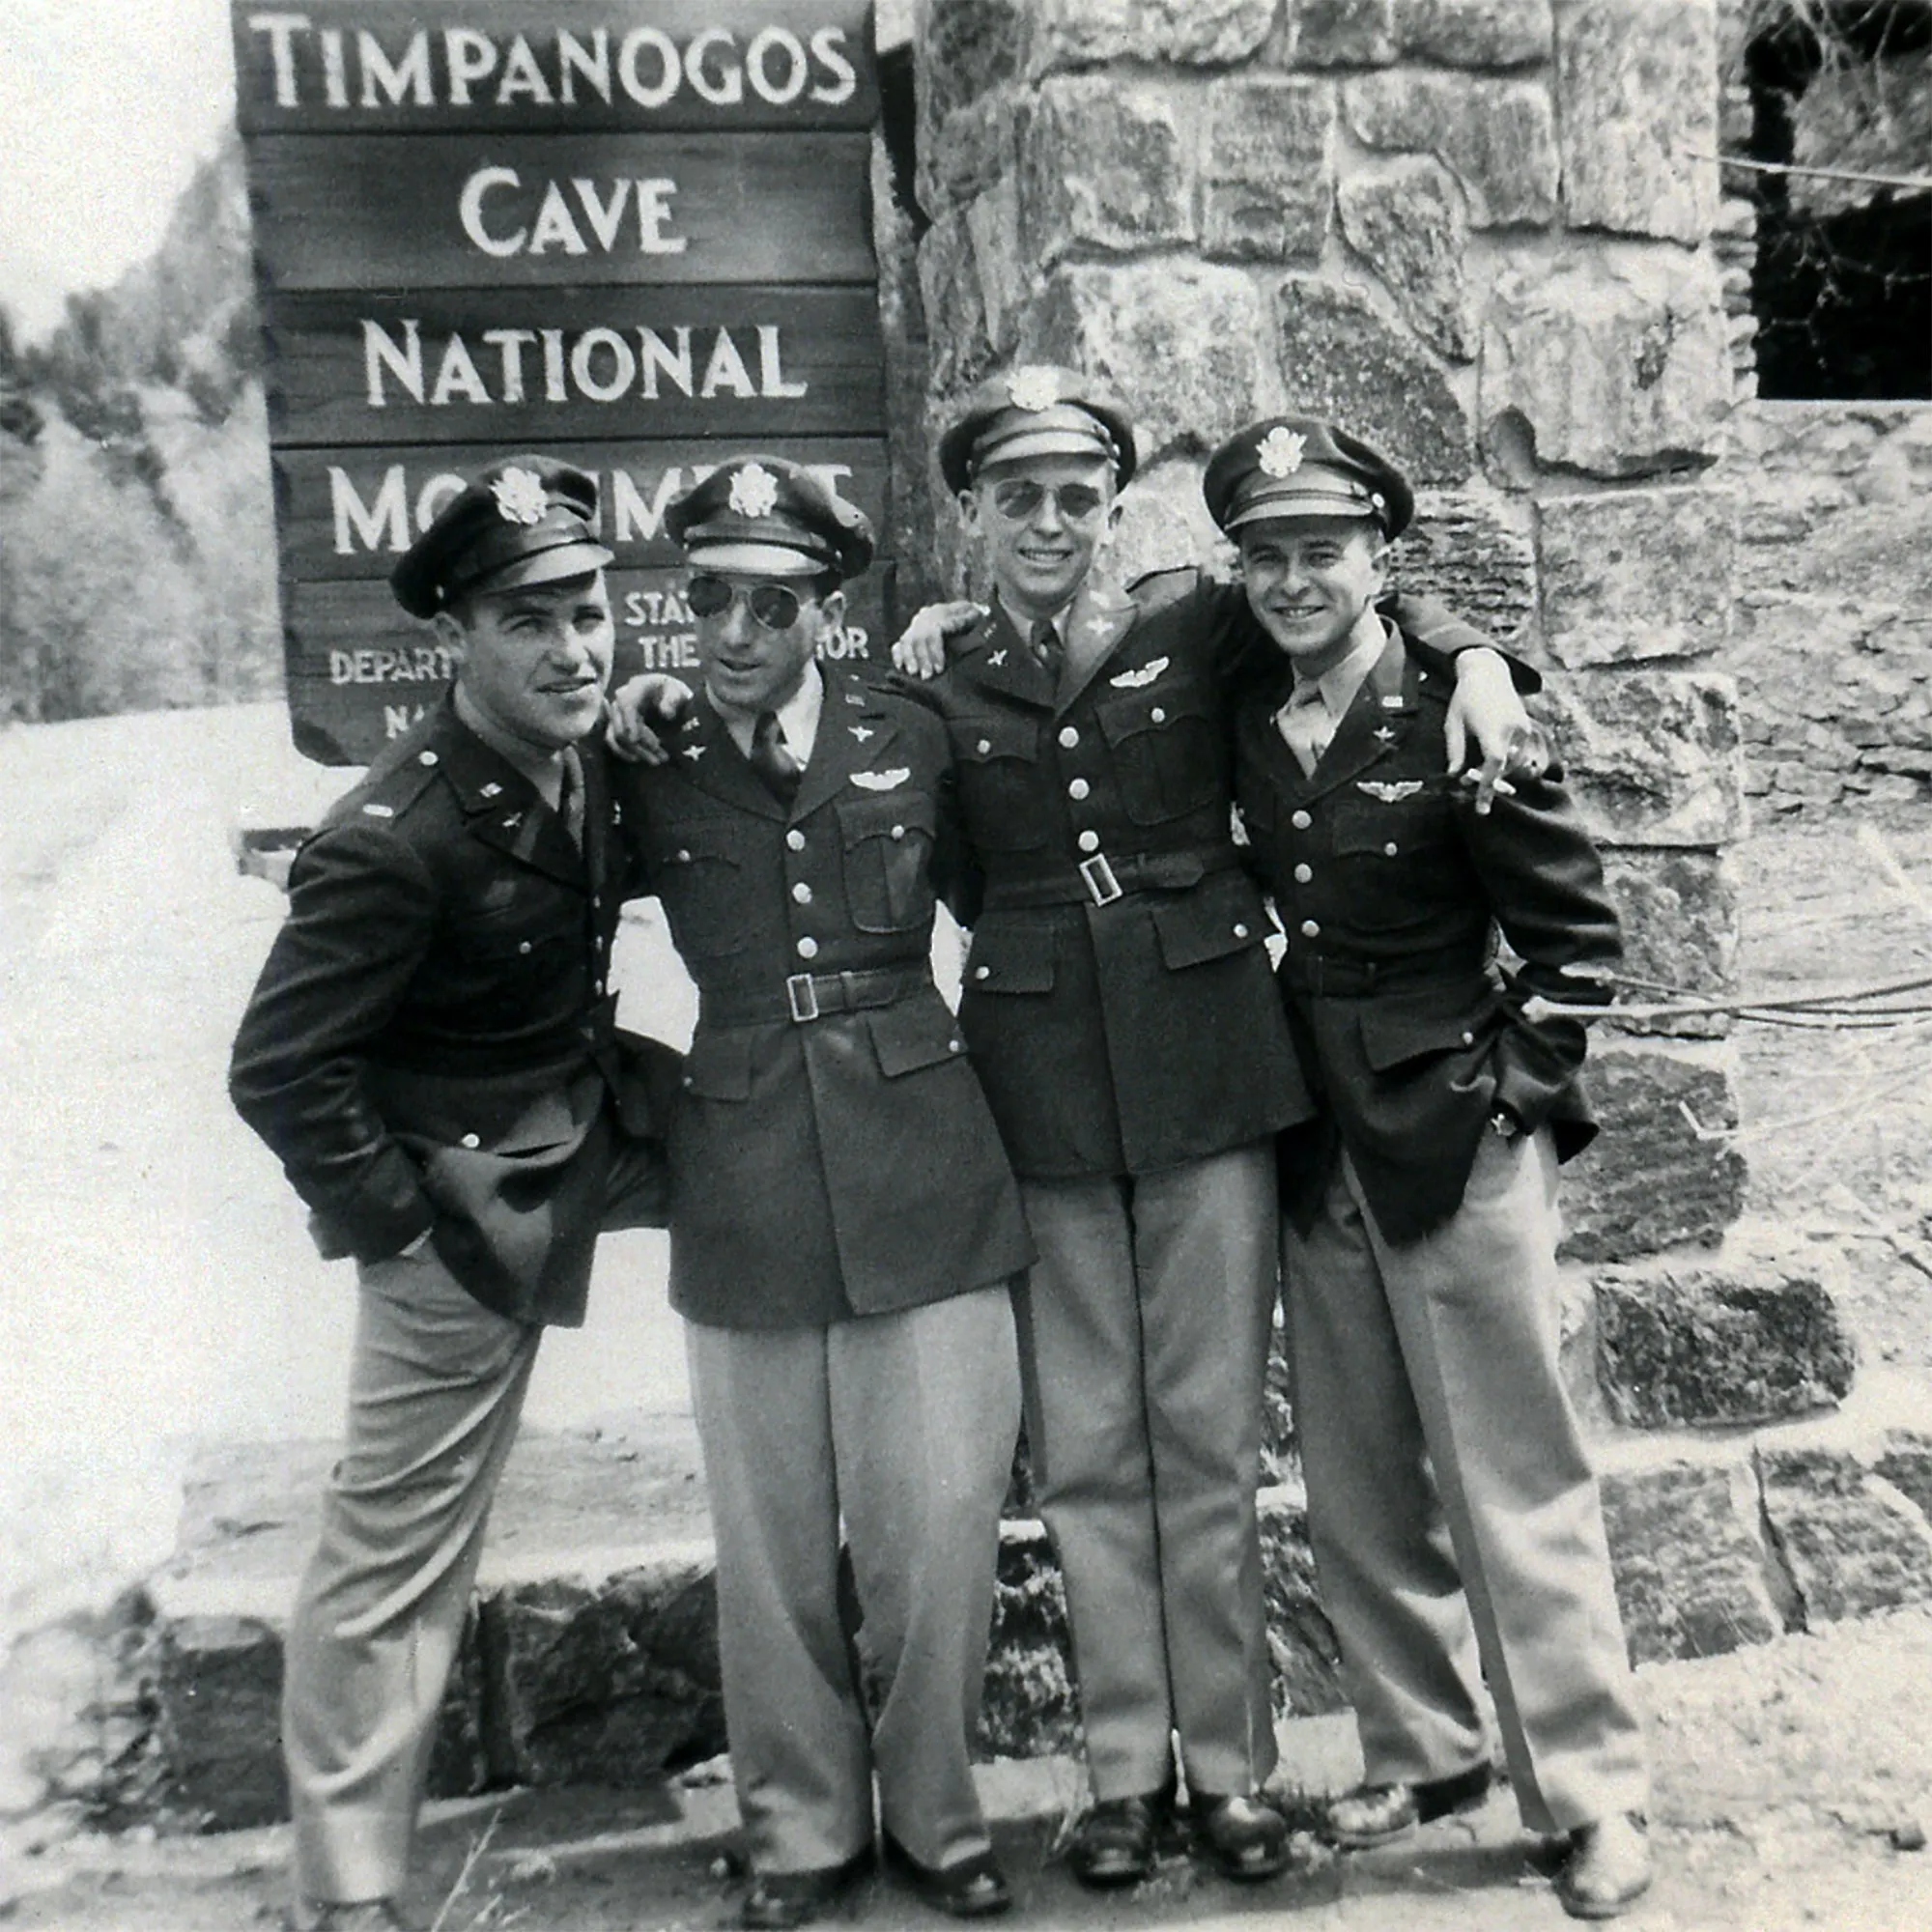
[(1019, 496), (774, 607)]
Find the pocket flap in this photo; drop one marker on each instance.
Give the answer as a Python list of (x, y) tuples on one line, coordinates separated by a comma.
[(1011, 958), (685, 841), (1396, 1031), (888, 818), (914, 1033), (1392, 826), (718, 1066), (978, 739), (1222, 917), (1136, 711)]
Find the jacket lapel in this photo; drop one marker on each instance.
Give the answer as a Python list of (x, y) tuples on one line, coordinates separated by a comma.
[(505, 809), (707, 757), (1370, 728), (854, 734), (1102, 614), (999, 660)]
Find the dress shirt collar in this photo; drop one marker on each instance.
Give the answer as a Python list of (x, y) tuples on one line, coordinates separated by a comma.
[(798, 716)]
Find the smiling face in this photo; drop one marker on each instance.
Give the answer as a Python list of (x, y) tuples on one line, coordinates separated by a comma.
[(750, 666), (534, 660), (1313, 583), (1041, 541)]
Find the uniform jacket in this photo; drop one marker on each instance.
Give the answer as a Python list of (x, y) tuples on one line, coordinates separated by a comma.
[(1392, 891), (431, 1045), (845, 1164), (1136, 1034)]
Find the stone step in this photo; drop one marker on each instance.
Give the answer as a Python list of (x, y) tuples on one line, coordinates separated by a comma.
[(591, 1655)]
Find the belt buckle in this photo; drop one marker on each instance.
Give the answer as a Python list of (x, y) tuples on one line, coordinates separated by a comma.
[(802, 996), (1099, 877)]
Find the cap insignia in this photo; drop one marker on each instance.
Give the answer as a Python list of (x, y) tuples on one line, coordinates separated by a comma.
[(520, 497), (1034, 389), (1280, 451), (754, 491)]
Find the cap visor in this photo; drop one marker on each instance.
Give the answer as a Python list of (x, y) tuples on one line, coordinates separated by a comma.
[(546, 566), (1305, 503), (756, 559), (1032, 443)]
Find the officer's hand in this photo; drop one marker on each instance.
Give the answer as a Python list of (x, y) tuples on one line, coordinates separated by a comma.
[(654, 697), (1487, 716), (921, 652)]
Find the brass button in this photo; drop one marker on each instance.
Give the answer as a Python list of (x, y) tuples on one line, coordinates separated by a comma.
[(1303, 873), (472, 1140), (1469, 1039), (1068, 736), (522, 945), (899, 830), (807, 947), (1240, 932), (802, 892), (1310, 929), (1078, 789), (1090, 842), (795, 839), (1389, 849), (1158, 715), (1300, 820), (684, 855), (425, 757), (985, 746), (954, 1046), (982, 972)]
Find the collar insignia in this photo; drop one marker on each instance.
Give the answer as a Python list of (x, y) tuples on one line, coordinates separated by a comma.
[(520, 497), (379, 810), (1279, 451), (691, 723), (882, 780), (860, 731), (754, 491), (694, 753), (515, 819), (1033, 390), (853, 697), (1136, 680), (491, 789), (1385, 736), (1390, 792), (1391, 701), (998, 657)]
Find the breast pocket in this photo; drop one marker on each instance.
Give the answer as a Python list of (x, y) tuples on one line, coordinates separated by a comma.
[(1166, 750), (1396, 857), (888, 842), (998, 760), (699, 870)]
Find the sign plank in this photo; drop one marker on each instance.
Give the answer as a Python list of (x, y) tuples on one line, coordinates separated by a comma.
[(351, 512), (534, 211), (361, 672), (526, 366), (512, 66)]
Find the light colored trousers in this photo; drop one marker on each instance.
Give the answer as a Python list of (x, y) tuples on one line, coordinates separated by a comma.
[(1441, 1356), (1144, 1334), (436, 1385), (901, 1428)]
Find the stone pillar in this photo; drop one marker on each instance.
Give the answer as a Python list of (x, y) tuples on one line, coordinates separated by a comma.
[(1477, 232)]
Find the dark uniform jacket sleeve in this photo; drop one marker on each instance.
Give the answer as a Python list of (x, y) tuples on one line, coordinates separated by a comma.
[(360, 910)]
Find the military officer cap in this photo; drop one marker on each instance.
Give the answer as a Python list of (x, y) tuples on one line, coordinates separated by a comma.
[(1301, 467), (1037, 410), (526, 519), (767, 517)]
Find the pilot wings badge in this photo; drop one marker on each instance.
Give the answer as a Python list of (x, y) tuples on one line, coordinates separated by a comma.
[(1391, 791), (882, 780), (1137, 680)]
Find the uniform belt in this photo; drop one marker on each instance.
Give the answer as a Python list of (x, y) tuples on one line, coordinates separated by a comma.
[(810, 996), (1360, 979), (1100, 879)]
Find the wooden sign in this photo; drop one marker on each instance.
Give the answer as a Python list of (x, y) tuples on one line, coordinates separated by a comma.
[(362, 673), (515, 66), (352, 512), (524, 210), (534, 365)]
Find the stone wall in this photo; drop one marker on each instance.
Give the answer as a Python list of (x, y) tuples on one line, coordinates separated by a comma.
[(1472, 231), (1831, 638)]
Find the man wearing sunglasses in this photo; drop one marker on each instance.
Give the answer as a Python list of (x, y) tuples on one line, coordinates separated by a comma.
[(1121, 1012), (844, 1224)]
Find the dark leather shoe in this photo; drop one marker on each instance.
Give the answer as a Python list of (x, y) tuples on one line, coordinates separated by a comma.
[(1114, 1844), (367, 1914), (972, 1888), (1608, 1869), (1243, 1839), (778, 1900), (1373, 1814)]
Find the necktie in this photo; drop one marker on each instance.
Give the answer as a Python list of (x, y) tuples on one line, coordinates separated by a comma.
[(1304, 726), (772, 759), (570, 795), (1044, 643)]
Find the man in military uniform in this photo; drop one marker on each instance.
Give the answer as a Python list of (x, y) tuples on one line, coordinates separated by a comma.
[(843, 1222), (1419, 1255), (431, 1051), (1121, 1009)]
